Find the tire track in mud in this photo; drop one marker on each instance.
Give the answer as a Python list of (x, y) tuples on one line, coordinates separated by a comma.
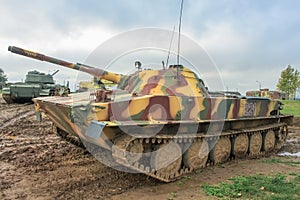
[(35, 163), (31, 154), (8, 110), (13, 105), (6, 106), (21, 137), (16, 117), (10, 114)]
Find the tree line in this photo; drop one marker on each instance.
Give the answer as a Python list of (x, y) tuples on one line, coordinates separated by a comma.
[(289, 82), (3, 78)]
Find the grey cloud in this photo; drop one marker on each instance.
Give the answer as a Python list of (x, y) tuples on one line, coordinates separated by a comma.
[(264, 34)]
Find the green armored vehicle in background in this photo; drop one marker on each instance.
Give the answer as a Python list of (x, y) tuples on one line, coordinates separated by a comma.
[(36, 84)]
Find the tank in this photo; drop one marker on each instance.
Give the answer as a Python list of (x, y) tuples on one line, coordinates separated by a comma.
[(266, 93), (94, 83), (164, 123), (36, 84)]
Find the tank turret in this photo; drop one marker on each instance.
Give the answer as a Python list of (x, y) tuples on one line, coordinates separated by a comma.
[(40, 77), (142, 82)]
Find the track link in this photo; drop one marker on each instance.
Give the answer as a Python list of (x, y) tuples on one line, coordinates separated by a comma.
[(7, 98), (68, 137), (122, 145)]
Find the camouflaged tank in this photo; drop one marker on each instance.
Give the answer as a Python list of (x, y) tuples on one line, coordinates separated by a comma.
[(94, 83), (164, 123), (267, 93), (36, 84)]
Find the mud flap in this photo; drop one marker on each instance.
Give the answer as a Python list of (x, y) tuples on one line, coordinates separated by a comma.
[(94, 130), (38, 116)]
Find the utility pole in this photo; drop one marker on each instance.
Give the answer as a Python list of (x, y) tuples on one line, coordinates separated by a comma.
[(259, 85)]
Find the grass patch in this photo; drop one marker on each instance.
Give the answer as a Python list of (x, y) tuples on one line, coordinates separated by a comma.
[(172, 195), (180, 183), (291, 107), (277, 160), (257, 187), (187, 178)]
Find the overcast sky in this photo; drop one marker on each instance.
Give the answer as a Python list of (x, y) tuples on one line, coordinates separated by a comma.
[(249, 42)]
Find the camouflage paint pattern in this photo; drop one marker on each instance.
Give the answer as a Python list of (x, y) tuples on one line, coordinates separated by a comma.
[(149, 109), (266, 93), (93, 84), (168, 96)]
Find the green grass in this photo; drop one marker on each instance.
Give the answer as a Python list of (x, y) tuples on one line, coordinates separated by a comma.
[(172, 195), (278, 160), (291, 107), (257, 187), (180, 183)]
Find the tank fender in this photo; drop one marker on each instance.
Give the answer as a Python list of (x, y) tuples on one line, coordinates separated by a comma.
[(38, 115), (5, 90), (94, 130), (44, 92)]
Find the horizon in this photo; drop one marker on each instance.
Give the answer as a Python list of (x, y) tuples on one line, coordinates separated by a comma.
[(249, 42)]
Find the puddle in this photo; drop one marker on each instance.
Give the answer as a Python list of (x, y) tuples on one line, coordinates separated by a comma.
[(292, 140), (289, 154)]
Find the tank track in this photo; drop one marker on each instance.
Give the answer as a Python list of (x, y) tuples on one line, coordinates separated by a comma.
[(7, 98), (68, 137), (122, 144)]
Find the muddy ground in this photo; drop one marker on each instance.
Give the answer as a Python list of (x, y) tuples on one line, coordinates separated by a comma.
[(37, 164)]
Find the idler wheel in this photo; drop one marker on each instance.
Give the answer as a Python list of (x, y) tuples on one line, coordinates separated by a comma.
[(221, 151), (255, 144), (196, 155), (240, 145), (134, 152), (7, 98), (54, 129), (269, 141), (166, 160), (282, 134)]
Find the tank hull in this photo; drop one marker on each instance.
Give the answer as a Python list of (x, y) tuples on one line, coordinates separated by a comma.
[(36, 84), (163, 123), (24, 93), (13, 99), (116, 126)]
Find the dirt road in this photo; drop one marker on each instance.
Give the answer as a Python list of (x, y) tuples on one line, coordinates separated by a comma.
[(37, 164)]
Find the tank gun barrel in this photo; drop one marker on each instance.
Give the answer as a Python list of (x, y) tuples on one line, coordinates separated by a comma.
[(55, 72), (96, 72)]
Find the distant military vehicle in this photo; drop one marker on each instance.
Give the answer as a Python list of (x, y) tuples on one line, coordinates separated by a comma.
[(266, 93), (230, 94), (36, 84), (94, 83)]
